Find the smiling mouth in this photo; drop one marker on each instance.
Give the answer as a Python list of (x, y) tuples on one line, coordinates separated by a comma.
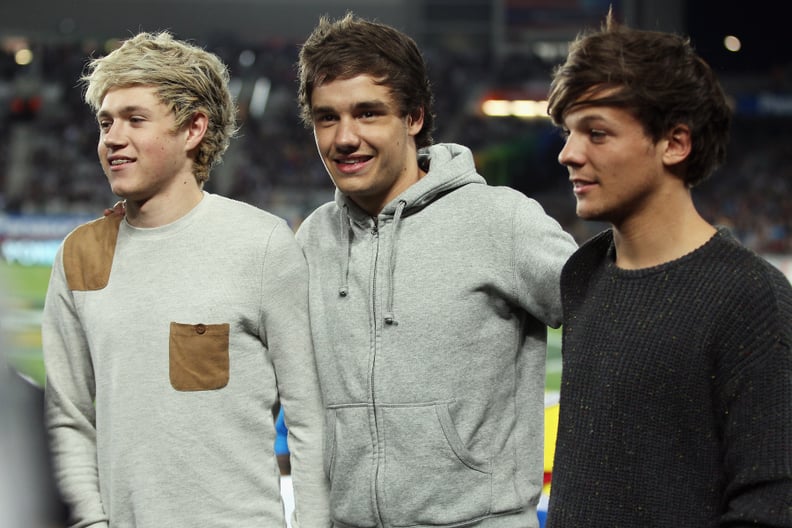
[(117, 162), (581, 186), (352, 161), (352, 165)]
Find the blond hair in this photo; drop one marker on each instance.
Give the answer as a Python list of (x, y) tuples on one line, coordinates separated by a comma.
[(187, 79)]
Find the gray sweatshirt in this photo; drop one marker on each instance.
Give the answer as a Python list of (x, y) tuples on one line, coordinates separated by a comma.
[(429, 325), (165, 350)]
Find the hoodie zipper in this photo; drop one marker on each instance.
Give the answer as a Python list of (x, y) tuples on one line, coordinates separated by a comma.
[(375, 235)]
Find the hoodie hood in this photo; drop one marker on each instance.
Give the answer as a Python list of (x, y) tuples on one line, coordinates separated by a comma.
[(448, 166)]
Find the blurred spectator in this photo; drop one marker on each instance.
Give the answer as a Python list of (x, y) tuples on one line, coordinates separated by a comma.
[(28, 498), (274, 164)]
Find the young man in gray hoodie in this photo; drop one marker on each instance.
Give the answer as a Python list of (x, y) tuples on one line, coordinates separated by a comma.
[(430, 296)]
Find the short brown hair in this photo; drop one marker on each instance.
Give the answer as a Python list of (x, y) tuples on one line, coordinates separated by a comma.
[(656, 76), (351, 46)]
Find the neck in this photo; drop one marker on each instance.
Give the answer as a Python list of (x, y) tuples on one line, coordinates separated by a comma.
[(648, 240), (161, 209), (375, 204)]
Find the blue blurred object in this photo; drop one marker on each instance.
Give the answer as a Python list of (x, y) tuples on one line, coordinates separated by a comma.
[(281, 432), (541, 510)]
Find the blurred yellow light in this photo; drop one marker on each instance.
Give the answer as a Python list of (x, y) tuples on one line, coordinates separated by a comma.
[(524, 108), (528, 108), (496, 107), (732, 43), (23, 57)]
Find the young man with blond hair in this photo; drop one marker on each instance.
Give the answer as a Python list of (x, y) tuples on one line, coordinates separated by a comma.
[(169, 332)]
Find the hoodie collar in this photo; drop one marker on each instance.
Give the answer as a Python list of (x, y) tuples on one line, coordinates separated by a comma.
[(447, 166)]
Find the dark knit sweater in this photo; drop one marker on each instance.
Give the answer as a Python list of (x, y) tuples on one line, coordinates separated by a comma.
[(676, 397)]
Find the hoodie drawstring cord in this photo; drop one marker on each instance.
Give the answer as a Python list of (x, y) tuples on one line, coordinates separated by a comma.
[(390, 319), (346, 225)]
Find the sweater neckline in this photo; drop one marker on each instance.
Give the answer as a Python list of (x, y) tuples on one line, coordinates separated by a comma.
[(720, 234), (171, 229)]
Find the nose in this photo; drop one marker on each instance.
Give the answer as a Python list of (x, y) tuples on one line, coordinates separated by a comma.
[(112, 137), (347, 136), (570, 154)]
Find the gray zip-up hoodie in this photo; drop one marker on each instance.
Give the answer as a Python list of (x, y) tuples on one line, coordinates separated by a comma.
[(429, 325)]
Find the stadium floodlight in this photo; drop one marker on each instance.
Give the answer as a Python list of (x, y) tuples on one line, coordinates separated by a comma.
[(496, 108), (522, 108)]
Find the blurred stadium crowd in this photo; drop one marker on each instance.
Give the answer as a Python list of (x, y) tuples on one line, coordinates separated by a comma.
[(48, 159)]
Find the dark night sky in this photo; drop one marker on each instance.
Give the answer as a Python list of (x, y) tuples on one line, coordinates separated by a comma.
[(761, 25)]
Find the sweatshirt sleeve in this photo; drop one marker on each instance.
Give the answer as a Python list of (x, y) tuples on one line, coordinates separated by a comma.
[(541, 248), (753, 382), (287, 328), (70, 413)]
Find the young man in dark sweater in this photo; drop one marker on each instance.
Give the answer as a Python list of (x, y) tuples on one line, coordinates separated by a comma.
[(676, 398)]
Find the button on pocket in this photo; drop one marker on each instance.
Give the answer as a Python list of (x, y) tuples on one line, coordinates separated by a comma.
[(199, 358)]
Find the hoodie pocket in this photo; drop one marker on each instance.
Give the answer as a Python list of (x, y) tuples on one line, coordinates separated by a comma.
[(429, 476), (199, 356), (350, 464)]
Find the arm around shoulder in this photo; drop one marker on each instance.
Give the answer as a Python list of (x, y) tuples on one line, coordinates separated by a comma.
[(541, 248)]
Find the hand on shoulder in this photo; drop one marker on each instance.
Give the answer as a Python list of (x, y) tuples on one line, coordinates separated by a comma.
[(118, 209)]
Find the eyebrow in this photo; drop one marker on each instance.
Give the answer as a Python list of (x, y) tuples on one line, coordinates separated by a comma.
[(126, 110), (361, 106), (592, 117), (587, 119)]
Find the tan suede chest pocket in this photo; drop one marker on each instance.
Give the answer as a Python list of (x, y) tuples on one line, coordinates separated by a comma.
[(199, 356)]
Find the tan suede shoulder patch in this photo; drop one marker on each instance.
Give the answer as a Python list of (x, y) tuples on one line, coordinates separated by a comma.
[(88, 253)]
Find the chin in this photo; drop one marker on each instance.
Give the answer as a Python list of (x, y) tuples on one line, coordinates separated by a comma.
[(592, 216)]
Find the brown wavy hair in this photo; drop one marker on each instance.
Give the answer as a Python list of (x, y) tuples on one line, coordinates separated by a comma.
[(656, 76)]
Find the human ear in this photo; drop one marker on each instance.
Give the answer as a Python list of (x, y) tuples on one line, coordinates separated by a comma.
[(415, 121), (678, 145), (196, 129)]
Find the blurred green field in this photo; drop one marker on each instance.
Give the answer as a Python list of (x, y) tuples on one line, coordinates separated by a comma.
[(26, 286), (25, 283), (553, 381)]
